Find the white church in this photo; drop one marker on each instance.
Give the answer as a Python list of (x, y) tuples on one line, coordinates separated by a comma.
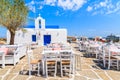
[(40, 34)]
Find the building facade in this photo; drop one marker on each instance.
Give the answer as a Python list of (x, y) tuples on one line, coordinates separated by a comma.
[(40, 34)]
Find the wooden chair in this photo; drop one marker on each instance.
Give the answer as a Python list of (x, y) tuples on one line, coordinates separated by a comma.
[(33, 63), (66, 62), (50, 58)]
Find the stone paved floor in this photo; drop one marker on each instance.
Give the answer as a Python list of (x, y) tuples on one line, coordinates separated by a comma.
[(86, 69)]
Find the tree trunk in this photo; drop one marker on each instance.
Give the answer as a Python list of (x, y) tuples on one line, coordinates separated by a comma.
[(12, 36)]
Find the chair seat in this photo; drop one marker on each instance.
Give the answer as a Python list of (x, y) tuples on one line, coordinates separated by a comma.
[(35, 61), (65, 62), (111, 57), (51, 62)]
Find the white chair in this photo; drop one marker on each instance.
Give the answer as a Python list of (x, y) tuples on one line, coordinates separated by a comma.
[(50, 58), (34, 45), (109, 58), (33, 63), (66, 62), (113, 60)]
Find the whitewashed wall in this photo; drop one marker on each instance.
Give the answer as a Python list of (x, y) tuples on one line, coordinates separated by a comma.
[(21, 37), (57, 36), (25, 37)]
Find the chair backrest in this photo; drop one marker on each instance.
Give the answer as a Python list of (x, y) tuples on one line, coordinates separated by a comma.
[(30, 55), (29, 46), (66, 55), (50, 55), (64, 47), (47, 48), (105, 51)]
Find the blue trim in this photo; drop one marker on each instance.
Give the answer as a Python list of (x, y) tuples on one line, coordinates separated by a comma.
[(34, 38), (52, 26), (47, 39)]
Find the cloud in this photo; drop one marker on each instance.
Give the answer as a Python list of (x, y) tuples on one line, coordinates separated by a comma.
[(66, 4), (57, 13), (95, 7), (40, 7), (114, 9), (103, 4), (105, 7), (50, 2), (89, 8), (72, 5), (31, 6)]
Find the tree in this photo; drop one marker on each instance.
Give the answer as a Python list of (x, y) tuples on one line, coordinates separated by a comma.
[(13, 14)]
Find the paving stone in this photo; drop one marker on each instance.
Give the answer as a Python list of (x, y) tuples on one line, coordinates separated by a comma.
[(103, 75), (88, 73), (53, 78), (84, 66), (80, 78), (37, 78), (0, 78), (89, 61), (9, 76), (21, 77), (3, 71), (89, 68), (16, 69), (8, 67), (99, 70), (26, 67), (63, 79), (115, 75)]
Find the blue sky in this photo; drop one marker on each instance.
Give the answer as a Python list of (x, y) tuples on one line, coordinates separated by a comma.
[(80, 17)]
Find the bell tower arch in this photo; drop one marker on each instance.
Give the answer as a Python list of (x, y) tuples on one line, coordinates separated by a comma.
[(39, 23)]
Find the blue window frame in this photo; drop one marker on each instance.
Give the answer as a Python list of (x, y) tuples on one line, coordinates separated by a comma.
[(34, 38), (47, 39)]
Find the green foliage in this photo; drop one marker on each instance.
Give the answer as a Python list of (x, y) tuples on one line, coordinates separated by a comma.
[(13, 14)]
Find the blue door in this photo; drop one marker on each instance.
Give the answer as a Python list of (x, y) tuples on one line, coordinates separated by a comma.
[(33, 38), (47, 39)]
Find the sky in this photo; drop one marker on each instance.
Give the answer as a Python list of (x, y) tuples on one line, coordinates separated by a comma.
[(80, 17)]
